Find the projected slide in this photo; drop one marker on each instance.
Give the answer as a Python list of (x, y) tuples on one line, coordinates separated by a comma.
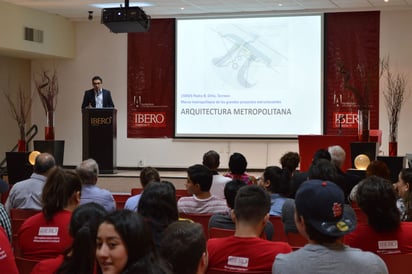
[(249, 77)]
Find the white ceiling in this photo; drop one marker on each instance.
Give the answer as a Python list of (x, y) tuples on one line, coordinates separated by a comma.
[(77, 10)]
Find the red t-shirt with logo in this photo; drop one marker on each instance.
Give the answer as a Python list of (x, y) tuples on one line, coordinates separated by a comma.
[(40, 239), (244, 253), (7, 262), (395, 242)]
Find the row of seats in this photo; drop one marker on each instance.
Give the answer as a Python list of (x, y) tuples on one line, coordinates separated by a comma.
[(121, 199), (397, 263)]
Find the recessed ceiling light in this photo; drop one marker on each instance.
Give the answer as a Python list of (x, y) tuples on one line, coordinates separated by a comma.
[(280, 5), (182, 8), (116, 5)]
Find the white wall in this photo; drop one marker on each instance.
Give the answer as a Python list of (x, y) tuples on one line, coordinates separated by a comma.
[(396, 42), (14, 74), (100, 52), (58, 32)]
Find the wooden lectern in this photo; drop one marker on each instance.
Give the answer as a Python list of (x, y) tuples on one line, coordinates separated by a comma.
[(99, 137)]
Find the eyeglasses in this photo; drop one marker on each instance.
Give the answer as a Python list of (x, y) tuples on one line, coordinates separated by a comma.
[(96, 83)]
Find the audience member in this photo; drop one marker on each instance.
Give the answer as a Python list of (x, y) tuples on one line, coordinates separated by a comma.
[(89, 172), (46, 234), (403, 188), (159, 208), (277, 182), (124, 244), (81, 256), (384, 233), (377, 168), (338, 156), (4, 217), (237, 169), (323, 220), (27, 194), (225, 221), (321, 169), (147, 175), (7, 261), (198, 185), (302, 176), (183, 247), (211, 159), (290, 162), (246, 251)]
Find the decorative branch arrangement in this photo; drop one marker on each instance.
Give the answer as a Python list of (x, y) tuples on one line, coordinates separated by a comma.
[(47, 87), (20, 110), (360, 86), (394, 93), (361, 94)]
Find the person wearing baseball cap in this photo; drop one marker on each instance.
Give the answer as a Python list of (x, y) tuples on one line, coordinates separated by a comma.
[(322, 218)]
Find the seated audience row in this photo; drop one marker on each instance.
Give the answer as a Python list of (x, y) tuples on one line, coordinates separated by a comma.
[(27, 194)]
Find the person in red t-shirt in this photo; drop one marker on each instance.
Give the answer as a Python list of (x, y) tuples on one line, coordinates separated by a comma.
[(46, 234), (81, 256), (246, 251), (384, 233), (7, 262)]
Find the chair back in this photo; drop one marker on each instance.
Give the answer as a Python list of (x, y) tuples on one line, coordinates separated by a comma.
[(181, 193), (202, 219), (215, 232), (17, 218), (24, 265), (225, 271), (397, 263), (120, 200), (296, 240), (135, 191), (279, 233)]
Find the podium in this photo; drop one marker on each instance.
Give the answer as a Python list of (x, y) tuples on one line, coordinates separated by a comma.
[(100, 136)]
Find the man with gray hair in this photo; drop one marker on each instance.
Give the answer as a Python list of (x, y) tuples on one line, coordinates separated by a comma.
[(88, 171), (338, 156), (26, 194)]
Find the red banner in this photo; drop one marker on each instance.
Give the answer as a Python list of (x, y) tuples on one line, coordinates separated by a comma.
[(151, 81), (351, 43)]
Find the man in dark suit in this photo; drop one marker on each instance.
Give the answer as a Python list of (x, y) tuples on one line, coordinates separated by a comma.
[(97, 97)]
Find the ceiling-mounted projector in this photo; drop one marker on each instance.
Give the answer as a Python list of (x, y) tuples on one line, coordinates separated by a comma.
[(127, 19)]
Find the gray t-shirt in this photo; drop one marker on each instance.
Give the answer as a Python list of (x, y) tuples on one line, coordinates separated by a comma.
[(319, 259)]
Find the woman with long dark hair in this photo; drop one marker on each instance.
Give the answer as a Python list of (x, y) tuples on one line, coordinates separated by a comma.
[(158, 206), (81, 256), (124, 244), (384, 233), (46, 234)]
